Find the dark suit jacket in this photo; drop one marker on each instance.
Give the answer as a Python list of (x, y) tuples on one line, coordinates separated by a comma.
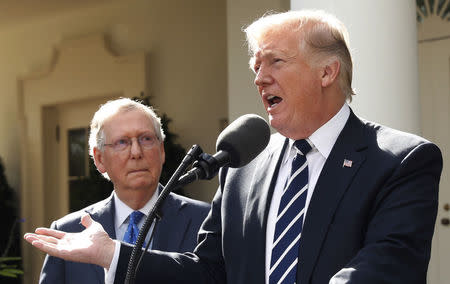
[(369, 223), (177, 232)]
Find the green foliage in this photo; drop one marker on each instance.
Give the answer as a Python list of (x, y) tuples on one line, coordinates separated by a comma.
[(174, 151), (8, 202), (10, 270), (10, 238)]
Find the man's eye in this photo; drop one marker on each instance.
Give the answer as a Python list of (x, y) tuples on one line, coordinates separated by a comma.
[(122, 142), (275, 60), (146, 138)]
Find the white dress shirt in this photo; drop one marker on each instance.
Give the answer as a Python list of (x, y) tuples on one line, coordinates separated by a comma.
[(121, 221), (322, 141), (123, 212)]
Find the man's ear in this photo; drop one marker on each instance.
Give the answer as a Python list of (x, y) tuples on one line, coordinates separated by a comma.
[(163, 153), (98, 160), (330, 72)]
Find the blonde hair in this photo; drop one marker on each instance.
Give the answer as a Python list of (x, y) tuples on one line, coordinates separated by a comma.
[(321, 34)]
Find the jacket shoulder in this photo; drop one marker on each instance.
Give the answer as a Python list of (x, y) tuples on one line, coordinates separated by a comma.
[(71, 221), (395, 142), (186, 202)]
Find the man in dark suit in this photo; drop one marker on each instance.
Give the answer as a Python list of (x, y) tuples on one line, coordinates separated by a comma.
[(332, 199), (126, 144)]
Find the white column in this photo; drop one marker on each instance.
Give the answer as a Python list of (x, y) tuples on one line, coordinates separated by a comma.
[(383, 42)]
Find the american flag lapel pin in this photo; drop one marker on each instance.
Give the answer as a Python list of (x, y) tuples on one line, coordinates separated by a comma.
[(347, 163)]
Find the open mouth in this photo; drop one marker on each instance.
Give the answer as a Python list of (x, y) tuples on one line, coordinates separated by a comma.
[(273, 100)]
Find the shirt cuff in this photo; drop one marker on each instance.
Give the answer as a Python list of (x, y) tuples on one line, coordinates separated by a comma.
[(110, 273)]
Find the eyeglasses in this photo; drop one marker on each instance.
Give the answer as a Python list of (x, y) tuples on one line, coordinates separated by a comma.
[(146, 141)]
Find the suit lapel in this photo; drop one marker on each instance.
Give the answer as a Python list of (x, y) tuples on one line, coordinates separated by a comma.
[(103, 213), (333, 181), (258, 202), (164, 238)]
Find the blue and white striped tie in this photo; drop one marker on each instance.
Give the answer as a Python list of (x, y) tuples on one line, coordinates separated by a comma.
[(288, 229)]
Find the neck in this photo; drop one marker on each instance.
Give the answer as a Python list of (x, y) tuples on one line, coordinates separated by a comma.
[(135, 199), (323, 115)]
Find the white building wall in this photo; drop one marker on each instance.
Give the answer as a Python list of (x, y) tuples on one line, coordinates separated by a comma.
[(383, 42)]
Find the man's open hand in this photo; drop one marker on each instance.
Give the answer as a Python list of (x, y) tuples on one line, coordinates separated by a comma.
[(93, 245)]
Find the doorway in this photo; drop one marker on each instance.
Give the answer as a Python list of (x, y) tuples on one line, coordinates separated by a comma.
[(53, 105), (434, 69), (71, 181)]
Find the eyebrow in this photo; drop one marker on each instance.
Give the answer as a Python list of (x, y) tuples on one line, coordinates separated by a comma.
[(265, 53), (140, 134), (262, 54)]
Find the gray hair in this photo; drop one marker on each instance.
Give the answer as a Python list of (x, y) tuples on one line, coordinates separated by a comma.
[(109, 109), (323, 35)]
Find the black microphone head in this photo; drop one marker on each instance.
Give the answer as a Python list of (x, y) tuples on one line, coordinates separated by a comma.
[(244, 139)]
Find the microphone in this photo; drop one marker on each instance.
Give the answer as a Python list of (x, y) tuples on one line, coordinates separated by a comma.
[(238, 144)]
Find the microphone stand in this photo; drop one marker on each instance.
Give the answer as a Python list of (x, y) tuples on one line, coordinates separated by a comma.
[(172, 184)]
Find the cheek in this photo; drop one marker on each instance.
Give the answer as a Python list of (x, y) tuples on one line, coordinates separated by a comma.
[(156, 160), (116, 166), (289, 82), (117, 169)]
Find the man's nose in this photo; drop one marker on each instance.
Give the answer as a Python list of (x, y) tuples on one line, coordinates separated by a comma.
[(136, 150), (263, 77)]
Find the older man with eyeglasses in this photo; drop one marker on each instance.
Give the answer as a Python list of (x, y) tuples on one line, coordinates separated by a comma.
[(127, 145)]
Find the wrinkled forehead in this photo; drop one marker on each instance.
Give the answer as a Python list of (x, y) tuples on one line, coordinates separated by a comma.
[(279, 40), (120, 122)]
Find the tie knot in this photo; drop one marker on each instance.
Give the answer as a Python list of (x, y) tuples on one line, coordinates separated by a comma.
[(303, 146), (135, 217)]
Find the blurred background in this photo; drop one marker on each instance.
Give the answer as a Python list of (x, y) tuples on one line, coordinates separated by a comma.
[(60, 59)]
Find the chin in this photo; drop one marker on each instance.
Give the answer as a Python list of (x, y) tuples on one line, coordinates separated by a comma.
[(141, 183), (283, 129), (277, 124)]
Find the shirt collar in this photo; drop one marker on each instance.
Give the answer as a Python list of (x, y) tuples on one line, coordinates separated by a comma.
[(323, 139), (123, 210)]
